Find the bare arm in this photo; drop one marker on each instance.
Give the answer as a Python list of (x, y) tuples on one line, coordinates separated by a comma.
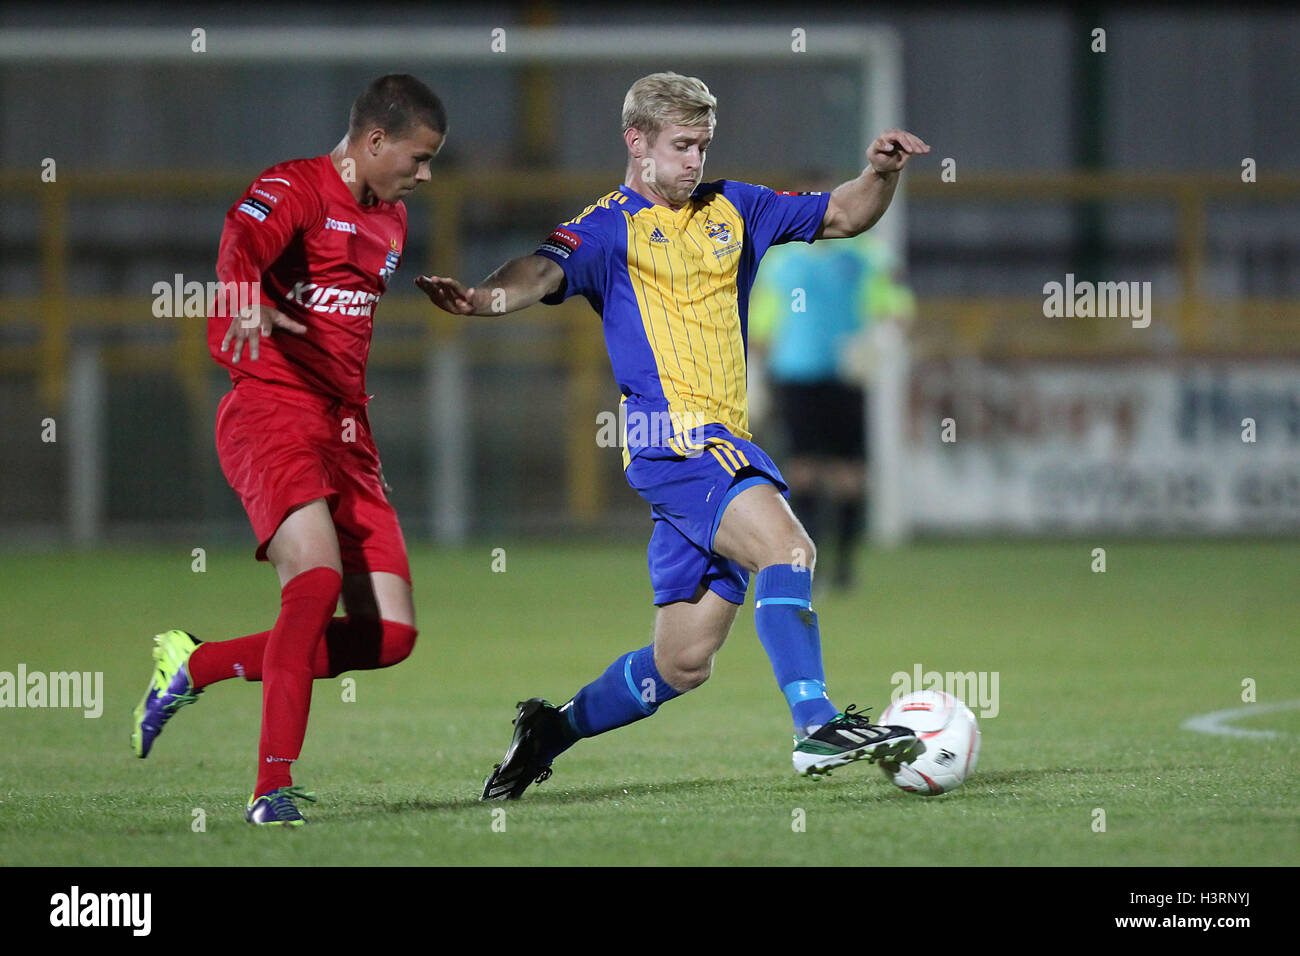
[(518, 284), (857, 205)]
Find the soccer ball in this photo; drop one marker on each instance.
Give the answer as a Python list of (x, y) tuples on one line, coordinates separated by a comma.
[(947, 729)]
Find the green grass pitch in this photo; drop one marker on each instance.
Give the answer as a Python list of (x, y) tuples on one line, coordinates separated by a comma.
[(1096, 673)]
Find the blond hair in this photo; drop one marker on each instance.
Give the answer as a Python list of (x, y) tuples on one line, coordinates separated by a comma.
[(662, 99)]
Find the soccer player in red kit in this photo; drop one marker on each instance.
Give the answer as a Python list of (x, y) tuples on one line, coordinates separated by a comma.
[(320, 238)]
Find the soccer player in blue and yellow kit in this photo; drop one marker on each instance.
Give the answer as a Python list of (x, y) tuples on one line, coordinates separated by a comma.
[(668, 262)]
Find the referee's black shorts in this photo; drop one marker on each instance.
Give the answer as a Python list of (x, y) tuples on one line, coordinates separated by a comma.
[(823, 420)]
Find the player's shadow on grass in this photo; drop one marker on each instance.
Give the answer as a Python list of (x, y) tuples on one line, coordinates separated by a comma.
[(846, 786), (544, 795), (993, 786)]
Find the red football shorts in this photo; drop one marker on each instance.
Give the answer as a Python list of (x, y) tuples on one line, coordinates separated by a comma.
[(282, 447)]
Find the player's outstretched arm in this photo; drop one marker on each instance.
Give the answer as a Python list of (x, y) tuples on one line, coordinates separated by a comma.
[(857, 205), (516, 285)]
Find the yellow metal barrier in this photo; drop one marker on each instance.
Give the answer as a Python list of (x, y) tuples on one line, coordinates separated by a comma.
[(1245, 326), (971, 325)]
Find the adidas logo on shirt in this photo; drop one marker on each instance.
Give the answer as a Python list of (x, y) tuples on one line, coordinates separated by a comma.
[(658, 236)]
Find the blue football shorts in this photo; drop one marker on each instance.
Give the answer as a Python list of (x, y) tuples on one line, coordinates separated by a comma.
[(687, 494)]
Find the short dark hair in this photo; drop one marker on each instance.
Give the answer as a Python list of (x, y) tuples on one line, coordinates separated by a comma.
[(395, 103)]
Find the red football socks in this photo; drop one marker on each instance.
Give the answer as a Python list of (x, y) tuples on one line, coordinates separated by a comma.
[(307, 603), (351, 644)]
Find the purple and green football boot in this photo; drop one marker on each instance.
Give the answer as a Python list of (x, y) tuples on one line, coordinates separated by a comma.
[(277, 809), (169, 690)]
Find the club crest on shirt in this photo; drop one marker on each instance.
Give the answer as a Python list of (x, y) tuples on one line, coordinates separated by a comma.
[(724, 237), (391, 260)]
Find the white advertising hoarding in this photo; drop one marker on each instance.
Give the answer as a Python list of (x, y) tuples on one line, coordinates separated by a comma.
[(1164, 446)]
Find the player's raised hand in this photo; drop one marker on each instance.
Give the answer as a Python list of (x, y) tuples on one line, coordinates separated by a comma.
[(891, 150), (253, 323), (447, 294)]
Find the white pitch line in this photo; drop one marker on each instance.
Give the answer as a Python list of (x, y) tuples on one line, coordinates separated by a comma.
[(1217, 722)]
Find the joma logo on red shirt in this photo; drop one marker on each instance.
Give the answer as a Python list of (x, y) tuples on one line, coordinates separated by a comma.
[(327, 299)]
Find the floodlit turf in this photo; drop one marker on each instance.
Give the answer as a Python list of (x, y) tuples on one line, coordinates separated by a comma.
[(1095, 674)]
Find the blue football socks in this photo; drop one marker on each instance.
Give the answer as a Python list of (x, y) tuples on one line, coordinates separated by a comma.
[(630, 689), (787, 626)]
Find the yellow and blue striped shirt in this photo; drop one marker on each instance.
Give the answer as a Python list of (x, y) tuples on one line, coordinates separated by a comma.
[(672, 289)]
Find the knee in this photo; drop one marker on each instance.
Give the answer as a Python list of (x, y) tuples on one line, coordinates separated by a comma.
[(366, 641), (307, 573), (803, 552), (399, 641), (687, 669), (795, 547), (321, 583)]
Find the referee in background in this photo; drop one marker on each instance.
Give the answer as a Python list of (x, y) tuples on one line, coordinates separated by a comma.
[(810, 323)]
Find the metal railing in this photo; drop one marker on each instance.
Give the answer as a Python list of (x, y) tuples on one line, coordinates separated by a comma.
[(990, 325)]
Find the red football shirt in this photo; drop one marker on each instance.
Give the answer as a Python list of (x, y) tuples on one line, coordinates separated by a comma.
[(322, 259)]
